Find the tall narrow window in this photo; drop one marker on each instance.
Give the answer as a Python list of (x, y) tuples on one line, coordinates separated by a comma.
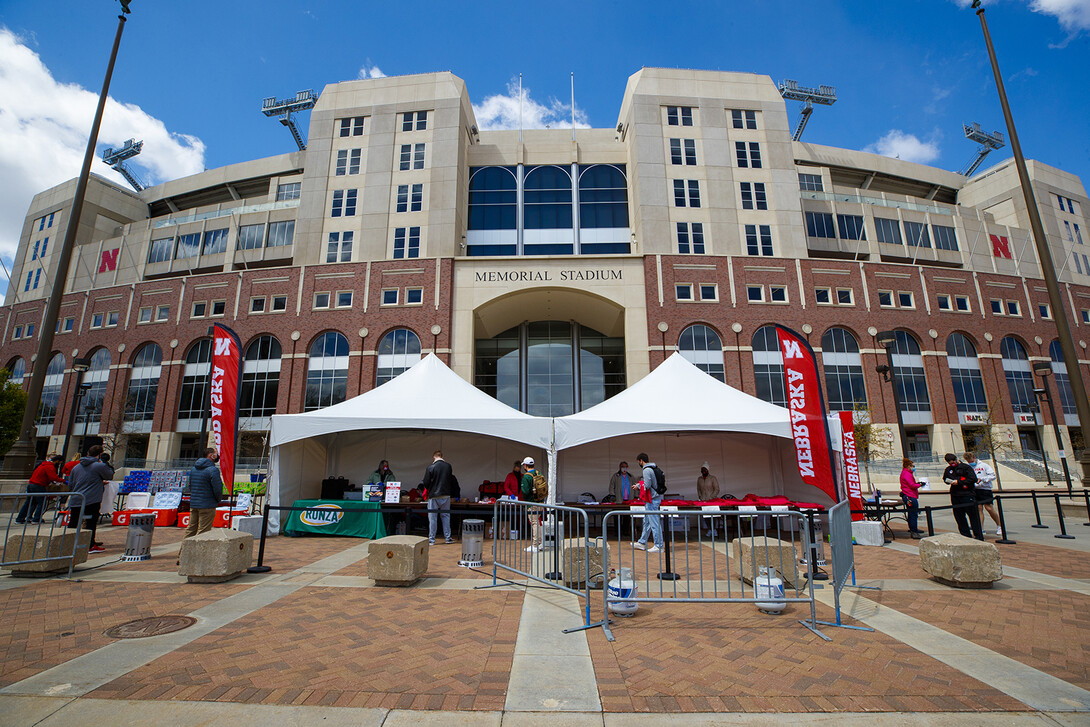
[(908, 366), (690, 238), (965, 374), (703, 348), (843, 370), (260, 380), (51, 393), (398, 351), (768, 366), (144, 381), (759, 240), (1019, 375), (1063, 383), (339, 249), (192, 402), (327, 372), (406, 242)]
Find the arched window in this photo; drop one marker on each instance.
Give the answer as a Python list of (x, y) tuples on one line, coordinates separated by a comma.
[(398, 351), (843, 370), (260, 380), (908, 367), (547, 211), (701, 346), (51, 394), (193, 402), (768, 366), (147, 368), (90, 410), (965, 374), (603, 210), (17, 368), (1063, 384), (493, 211), (327, 372), (1019, 375)]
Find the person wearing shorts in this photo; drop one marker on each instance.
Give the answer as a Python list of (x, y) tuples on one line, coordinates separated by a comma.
[(985, 477)]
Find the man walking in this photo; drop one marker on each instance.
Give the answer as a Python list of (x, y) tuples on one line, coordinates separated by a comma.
[(205, 493), (438, 479), (88, 478), (652, 524), (985, 478), (962, 481)]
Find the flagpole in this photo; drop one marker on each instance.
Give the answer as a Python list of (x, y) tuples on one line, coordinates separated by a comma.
[(520, 108), (573, 105)]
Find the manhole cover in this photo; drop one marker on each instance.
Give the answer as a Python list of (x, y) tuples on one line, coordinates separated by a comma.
[(154, 626)]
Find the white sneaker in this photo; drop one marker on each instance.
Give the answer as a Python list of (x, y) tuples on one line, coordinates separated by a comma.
[(640, 546), (999, 532), (533, 549), (654, 549)]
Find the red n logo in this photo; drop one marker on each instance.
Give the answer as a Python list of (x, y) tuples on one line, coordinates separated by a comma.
[(109, 260), (1001, 246)]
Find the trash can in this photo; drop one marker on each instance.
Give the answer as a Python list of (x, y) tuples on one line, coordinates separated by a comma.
[(472, 543), (138, 540)]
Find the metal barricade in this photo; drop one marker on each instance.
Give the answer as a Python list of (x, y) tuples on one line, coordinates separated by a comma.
[(39, 540), (698, 568), (549, 544), (843, 553)]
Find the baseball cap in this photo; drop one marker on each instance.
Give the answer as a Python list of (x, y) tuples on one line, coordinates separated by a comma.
[(528, 461)]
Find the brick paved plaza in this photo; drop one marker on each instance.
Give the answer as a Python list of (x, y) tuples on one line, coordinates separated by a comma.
[(315, 641)]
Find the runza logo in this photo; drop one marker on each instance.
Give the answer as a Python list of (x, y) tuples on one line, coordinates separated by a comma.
[(322, 515)]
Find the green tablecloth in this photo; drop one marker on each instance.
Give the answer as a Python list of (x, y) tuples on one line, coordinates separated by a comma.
[(329, 517)]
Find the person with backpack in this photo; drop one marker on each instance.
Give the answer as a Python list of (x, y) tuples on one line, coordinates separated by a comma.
[(535, 488), (655, 481)]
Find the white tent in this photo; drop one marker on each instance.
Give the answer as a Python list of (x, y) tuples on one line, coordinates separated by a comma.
[(682, 417), (426, 408)]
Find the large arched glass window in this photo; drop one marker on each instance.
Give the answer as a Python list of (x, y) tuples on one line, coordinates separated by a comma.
[(547, 211), (1063, 384), (843, 370), (51, 394), (493, 211), (90, 410), (1019, 375), (398, 351), (908, 367), (17, 368), (147, 369), (702, 347), (603, 198), (327, 372), (965, 374), (193, 401), (531, 367), (260, 381), (768, 366)]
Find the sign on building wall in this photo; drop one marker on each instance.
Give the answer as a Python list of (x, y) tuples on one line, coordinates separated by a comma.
[(108, 260), (1001, 246)]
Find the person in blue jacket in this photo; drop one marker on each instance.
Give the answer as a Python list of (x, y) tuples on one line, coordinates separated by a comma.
[(205, 493)]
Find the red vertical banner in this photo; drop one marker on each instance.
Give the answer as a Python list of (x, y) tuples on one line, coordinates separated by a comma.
[(226, 387), (851, 464), (807, 405)]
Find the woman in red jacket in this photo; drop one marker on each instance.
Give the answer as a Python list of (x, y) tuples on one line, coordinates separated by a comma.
[(44, 475), (910, 494), (511, 483)]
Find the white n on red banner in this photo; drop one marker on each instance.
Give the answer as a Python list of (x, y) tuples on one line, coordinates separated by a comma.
[(807, 405), (851, 464), (226, 386)]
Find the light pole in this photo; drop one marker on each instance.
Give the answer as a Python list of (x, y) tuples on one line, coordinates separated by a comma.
[(1043, 369), (80, 366), (1048, 269), (888, 340), (20, 458)]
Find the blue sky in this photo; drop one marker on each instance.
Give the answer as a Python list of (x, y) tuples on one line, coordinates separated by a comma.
[(190, 76)]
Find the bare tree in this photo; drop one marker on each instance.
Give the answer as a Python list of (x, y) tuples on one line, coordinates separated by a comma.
[(872, 441)]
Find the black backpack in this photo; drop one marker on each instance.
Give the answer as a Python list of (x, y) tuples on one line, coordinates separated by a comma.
[(660, 480)]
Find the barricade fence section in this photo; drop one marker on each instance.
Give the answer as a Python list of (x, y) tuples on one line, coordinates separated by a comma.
[(40, 539), (549, 544), (707, 556)]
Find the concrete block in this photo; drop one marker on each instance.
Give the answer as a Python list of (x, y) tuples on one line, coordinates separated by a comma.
[(961, 562), (247, 524), (58, 545), (575, 566), (752, 553), (216, 556), (868, 532), (397, 560)]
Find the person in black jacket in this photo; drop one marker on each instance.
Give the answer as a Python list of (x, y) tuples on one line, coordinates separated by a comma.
[(439, 485), (962, 481)]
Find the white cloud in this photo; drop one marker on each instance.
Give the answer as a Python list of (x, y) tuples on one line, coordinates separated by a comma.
[(369, 70), (43, 135), (502, 112), (1073, 15), (907, 147)]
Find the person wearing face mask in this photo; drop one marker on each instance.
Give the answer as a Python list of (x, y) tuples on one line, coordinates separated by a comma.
[(621, 484), (910, 495), (205, 493), (382, 475)]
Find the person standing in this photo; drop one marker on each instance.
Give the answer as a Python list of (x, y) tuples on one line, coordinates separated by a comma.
[(707, 488), (512, 481), (652, 524), (985, 478), (910, 495), (962, 481), (437, 484), (41, 479), (531, 492), (205, 493), (620, 484), (89, 479)]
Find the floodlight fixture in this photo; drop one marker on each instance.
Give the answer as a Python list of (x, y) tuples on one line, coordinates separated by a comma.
[(886, 339), (988, 143), (284, 108), (792, 91), (1042, 368), (116, 159)]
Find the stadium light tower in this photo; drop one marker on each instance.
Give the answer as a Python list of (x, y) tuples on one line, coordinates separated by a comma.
[(792, 91), (988, 144), (116, 159), (303, 101)]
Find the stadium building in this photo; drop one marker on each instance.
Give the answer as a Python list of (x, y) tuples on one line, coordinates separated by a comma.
[(553, 269)]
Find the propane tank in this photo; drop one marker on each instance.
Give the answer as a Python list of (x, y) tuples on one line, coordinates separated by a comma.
[(768, 585), (623, 587)]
